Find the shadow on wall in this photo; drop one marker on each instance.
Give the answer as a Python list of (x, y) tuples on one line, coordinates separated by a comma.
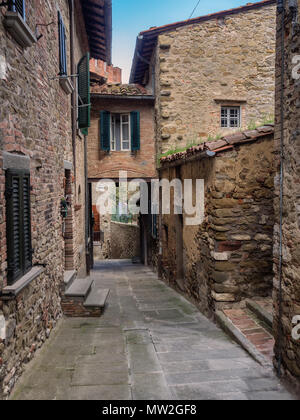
[(118, 240)]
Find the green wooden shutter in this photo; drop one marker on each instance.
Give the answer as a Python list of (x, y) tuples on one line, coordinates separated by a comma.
[(18, 224), (84, 96), (27, 249), (62, 46), (13, 226), (135, 131), (105, 130)]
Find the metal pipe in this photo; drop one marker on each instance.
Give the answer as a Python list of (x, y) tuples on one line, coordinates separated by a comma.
[(281, 10), (73, 97)]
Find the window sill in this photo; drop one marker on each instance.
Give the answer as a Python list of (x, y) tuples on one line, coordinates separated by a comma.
[(66, 85), (18, 286), (20, 31)]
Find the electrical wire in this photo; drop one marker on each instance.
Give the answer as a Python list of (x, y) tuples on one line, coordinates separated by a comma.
[(195, 8)]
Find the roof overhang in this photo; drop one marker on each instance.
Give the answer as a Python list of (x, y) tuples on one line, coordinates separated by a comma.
[(146, 41), (98, 22), (123, 97)]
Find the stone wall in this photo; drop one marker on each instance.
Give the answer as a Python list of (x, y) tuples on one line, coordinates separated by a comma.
[(229, 256), (35, 122), (286, 346), (125, 241), (201, 66)]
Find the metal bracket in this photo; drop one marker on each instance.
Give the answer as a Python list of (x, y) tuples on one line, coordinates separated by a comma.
[(63, 77), (83, 106)]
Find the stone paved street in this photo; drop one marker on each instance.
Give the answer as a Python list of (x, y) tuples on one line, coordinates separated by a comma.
[(150, 344)]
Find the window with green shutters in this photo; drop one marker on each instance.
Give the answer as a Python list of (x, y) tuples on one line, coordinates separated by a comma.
[(84, 96), (18, 224), (120, 132), (17, 6), (62, 46)]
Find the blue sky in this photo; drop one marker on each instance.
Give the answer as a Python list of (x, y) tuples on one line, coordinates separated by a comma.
[(133, 16)]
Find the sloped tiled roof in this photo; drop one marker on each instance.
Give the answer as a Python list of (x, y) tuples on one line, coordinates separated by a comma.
[(120, 90), (146, 40), (225, 143)]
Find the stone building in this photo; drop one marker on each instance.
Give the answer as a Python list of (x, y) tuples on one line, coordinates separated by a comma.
[(227, 256), (287, 227), (212, 75), (44, 99), (121, 138)]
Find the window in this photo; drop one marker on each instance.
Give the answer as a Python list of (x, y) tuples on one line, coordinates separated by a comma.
[(17, 6), (120, 129), (62, 46), (230, 116), (18, 224), (120, 132)]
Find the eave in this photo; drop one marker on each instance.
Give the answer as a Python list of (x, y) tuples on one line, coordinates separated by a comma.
[(98, 23)]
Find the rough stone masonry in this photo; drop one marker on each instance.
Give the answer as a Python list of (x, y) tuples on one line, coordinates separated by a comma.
[(220, 61), (287, 348), (229, 256), (35, 125)]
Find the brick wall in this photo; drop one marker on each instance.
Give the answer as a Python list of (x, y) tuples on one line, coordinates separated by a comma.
[(199, 67), (110, 73), (286, 346), (35, 121), (103, 165), (228, 257)]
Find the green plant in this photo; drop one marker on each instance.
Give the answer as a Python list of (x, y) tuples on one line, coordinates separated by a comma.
[(268, 119), (252, 125)]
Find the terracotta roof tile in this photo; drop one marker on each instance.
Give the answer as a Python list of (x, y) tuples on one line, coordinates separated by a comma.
[(119, 89), (213, 145), (226, 143), (235, 138)]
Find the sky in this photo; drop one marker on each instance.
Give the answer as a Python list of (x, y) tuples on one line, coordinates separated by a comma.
[(133, 16)]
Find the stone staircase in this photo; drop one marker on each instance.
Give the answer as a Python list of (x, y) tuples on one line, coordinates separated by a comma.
[(82, 297)]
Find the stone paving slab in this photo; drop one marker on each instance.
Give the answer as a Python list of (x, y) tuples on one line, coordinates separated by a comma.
[(150, 387), (150, 344)]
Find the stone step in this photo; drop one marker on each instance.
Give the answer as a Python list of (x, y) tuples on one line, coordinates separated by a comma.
[(69, 277), (96, 298), (79, 288), (260, 312)]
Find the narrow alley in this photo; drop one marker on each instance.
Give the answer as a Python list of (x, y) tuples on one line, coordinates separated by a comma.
[(150, 344)]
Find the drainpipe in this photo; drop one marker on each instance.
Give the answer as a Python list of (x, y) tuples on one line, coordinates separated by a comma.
[(86, 209), (281, 10), (73, 97)]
